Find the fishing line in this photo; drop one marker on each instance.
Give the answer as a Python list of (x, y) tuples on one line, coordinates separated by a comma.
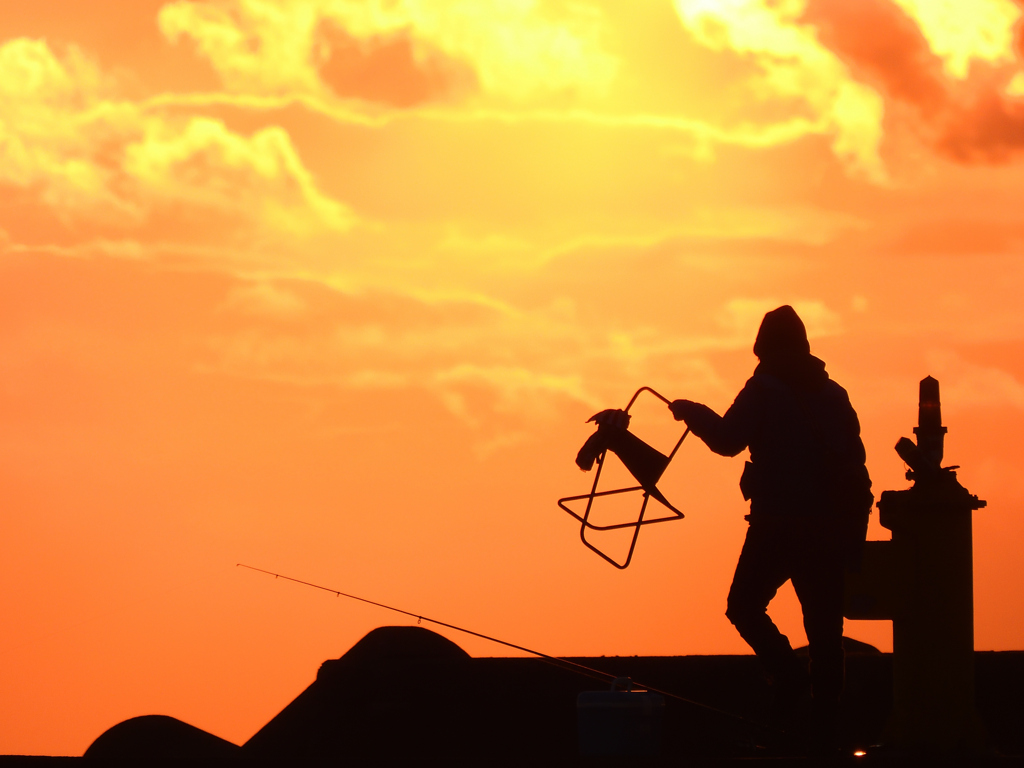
[(571, 666)]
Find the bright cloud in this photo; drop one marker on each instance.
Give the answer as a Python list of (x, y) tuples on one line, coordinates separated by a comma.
[(958, 32), (205, 163), (794, 65), (92, 155), (264, 47), (52, 115), (517, 48)]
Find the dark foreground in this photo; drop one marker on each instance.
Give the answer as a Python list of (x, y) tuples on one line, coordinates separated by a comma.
[(404, 696)]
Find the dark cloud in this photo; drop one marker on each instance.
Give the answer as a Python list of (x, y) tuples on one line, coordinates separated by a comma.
[(968, 121), (990, 129), (882, 46), (391, 69)]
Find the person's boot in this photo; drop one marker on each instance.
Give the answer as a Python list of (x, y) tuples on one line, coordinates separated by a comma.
[(791, 697), (825, 739), (791, 688)]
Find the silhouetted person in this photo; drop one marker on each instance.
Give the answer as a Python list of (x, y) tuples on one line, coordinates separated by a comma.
[(809, 494)]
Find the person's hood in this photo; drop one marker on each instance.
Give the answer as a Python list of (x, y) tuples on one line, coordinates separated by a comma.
[(782, 334)]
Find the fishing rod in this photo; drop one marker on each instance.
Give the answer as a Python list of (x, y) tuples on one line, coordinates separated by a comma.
[(572, 666)]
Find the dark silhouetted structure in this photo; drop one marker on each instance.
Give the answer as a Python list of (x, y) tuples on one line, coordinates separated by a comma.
[(160, 740), (923, 580), (809, 496), (406, 696)]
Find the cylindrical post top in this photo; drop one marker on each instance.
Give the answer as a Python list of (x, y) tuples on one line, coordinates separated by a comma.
[(929, 429), (929, 410)]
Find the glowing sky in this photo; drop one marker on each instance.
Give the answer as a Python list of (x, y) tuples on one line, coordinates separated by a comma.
[(330, 286)]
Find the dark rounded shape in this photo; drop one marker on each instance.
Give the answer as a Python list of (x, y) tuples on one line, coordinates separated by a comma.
[(159, 738), (782, 334), (386, 644), (389, 643), (850, 646)]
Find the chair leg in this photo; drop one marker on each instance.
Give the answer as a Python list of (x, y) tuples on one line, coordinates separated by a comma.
[(632, 544)]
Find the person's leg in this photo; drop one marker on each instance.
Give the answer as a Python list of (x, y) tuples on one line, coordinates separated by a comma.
[(818, 579), (761, 570)]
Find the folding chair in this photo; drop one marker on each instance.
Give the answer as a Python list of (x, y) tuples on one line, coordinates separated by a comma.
[(646, 464)]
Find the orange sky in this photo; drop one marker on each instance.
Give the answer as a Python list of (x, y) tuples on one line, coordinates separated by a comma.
[(330, 286)]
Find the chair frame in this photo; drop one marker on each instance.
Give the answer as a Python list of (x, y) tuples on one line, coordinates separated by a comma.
[(584, 519)]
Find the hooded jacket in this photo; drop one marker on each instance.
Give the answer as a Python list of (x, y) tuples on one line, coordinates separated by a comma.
[(806, 454)]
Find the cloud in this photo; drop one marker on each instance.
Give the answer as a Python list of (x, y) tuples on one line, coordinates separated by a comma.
[(95, 159), (516, 388), (263, 298), (518, 48), (989, 128), (203, 163), (485, 361), (53, 116), (515, 49), (883, 46), (793, 65), (951, 62), (263, 47), (488, 367), (823, 67), (960, 32), (966, 384), (517, 61), (742, 317), (393, 69)]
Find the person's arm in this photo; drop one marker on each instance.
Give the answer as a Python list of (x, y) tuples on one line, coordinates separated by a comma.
[(725, 435)]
